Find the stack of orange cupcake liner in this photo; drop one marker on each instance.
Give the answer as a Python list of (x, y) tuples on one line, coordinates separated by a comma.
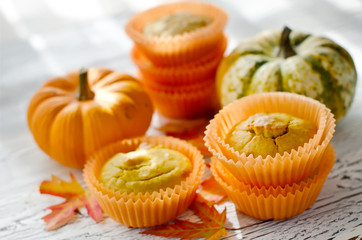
[(276, 181), (179, 71), (144, 209)]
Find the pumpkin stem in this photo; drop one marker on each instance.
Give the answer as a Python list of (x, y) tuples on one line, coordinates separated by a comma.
[(286, 49), (84, 92)]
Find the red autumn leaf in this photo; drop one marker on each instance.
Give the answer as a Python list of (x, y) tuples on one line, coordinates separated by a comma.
[(191, 131), (61, 213), (185, 129), (212, 226), (75, 198), (210, 192), (92, 206), (200, 144), (187, 230)]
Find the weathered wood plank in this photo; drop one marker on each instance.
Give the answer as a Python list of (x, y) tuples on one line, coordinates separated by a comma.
[(32, 52)]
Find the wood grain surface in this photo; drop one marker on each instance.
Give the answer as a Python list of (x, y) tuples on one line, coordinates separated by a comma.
[(43, 38)]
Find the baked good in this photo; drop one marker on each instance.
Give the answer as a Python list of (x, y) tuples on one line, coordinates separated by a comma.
[(143, 209), (178, 33), (270, 133), (176, 24), (147, 169)]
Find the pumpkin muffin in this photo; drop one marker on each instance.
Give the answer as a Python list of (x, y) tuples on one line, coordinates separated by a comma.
[(176, 24), (135, 180), (270, 133), (147, 169), (287, 147), (178, 33)]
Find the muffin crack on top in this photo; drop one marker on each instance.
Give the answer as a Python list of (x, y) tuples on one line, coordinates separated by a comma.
[(147, 169), (274, 135), (176, 24), (270, 133), (155, 176)]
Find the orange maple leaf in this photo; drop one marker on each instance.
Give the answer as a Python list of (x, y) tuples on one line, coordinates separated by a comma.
[(210, 192), (61, 188), (75, 198), (212, 226), (208, 213)]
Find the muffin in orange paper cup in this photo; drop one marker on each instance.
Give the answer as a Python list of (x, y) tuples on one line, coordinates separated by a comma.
[(180, 48), (279, 202), (280, 171), (144, 209), (190, 73), (185, 104), (275, 170), (272, 102)]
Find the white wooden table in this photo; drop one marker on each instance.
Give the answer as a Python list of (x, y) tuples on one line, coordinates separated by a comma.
[(41, 38)]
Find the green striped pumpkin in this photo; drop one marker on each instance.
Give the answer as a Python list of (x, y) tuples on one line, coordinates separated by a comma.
[(289, 61)]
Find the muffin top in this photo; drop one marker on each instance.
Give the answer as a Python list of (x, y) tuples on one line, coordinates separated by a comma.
[(176, 24), (270, 133), (146, 169)]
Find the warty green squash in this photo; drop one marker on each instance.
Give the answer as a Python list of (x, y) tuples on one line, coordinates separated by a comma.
[(289, 61)]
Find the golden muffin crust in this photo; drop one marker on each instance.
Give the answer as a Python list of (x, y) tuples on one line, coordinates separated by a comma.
[(270, 133), (176, 24), (147, 169)]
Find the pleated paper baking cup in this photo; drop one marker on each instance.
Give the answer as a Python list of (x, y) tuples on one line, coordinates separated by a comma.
[(181, 89), (279, 202), (281, 169), (198, 85), (185, 105), (166, 51), (144, 209), (100, 157), (290, 103), (191, 73)]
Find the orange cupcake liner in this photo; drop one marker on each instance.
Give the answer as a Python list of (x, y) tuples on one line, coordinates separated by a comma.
[(279, 172), (143, 209), (166, 51), (281, 169), (130, 145), (165, 88), (196, 87), (275, 203), (290, 103), (185, 105), (194, 72)]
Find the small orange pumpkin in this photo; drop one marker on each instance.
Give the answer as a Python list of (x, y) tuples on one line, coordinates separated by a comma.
[(71, 117)]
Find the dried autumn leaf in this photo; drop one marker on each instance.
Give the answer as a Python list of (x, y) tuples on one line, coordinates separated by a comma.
[(209, 214), (92, 206), (212, 226), (191, 131), (200, 144), (185, 129), (75, 198), (61, 213), (210, 192), (187, 230), (61, 188)]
